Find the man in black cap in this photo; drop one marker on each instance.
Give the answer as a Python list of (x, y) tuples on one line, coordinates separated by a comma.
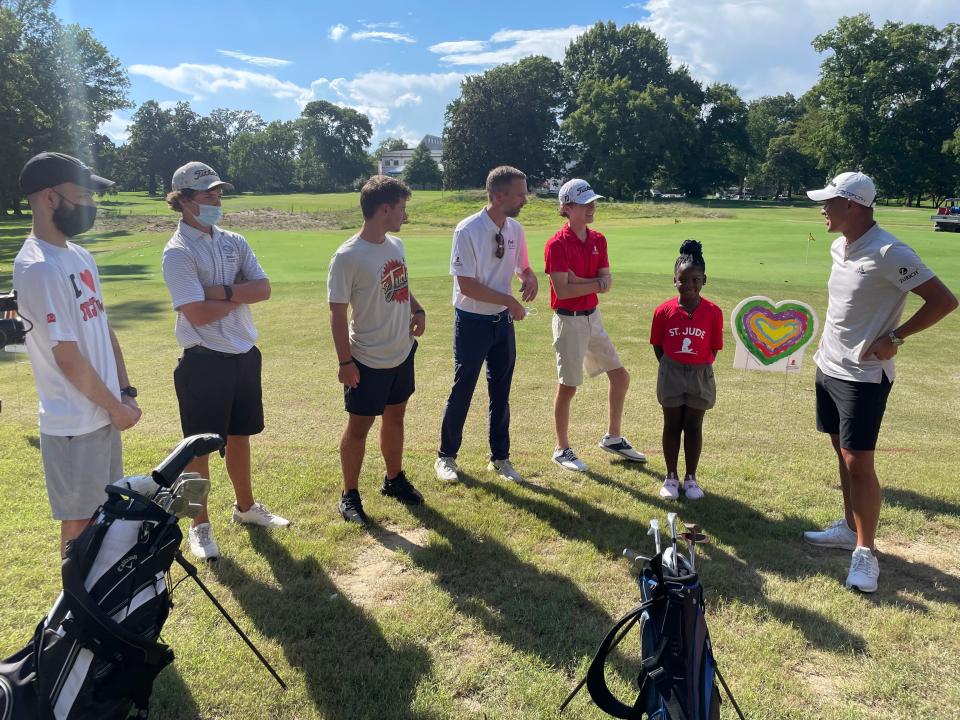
[(86, 398)]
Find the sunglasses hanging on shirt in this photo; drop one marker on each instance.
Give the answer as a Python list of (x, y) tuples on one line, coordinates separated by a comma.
[(499, 250)]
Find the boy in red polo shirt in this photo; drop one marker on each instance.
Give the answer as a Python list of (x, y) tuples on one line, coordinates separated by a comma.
[(576, 261), (686, 334)]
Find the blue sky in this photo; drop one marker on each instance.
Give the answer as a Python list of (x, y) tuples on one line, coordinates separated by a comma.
[(401, 63)]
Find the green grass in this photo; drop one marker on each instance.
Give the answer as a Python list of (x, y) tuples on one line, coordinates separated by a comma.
[(489, 601)]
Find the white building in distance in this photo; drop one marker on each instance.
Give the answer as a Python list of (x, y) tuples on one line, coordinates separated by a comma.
[(392, 162)]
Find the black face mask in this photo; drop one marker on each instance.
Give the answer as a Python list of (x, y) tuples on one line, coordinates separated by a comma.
[(75, 221)]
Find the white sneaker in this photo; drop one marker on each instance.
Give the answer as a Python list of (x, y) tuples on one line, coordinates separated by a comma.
[(201, 542), (504, 468), (568, 460), (691, 490), (671, 488), (446, 469), (835, 535), (258, 514), (620, 446), (864, 571)]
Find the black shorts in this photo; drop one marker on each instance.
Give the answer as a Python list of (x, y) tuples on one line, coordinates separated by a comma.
[(379, 387), (219, 393), (852, 410)]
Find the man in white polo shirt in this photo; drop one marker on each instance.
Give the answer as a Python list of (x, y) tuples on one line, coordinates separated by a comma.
[(489, 249), (85, 396), (871, 276), (213, 277)]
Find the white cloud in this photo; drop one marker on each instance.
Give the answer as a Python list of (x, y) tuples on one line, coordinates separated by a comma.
[(337, 31), (117, 128), (258, 60), (200, 81), (509, 46), (392, 25), (763, 48), (411, 136), (382, 36), (408, 99)]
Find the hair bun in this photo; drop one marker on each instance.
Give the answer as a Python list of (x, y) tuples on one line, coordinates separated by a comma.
[(691, 247)]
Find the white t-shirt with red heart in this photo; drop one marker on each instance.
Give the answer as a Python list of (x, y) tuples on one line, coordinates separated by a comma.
[(58, 290)]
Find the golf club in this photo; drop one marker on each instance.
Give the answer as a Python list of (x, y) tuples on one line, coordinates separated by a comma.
[(655, 531), (690, 537), (672, 521)]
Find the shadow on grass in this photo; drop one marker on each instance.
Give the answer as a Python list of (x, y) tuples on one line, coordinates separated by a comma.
[(171, 697), (726, 576), (910, 500), (350, 669), (112, 273), (541, 614), (127, 313)]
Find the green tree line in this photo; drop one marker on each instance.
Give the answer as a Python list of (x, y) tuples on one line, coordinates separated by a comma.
[(615, 110)]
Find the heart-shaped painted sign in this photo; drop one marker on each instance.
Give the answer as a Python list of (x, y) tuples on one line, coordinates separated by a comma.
[(87, 278), (773, 332)]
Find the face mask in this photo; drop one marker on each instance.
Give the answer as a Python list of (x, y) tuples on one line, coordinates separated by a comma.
[(76, 219), (209, 215)]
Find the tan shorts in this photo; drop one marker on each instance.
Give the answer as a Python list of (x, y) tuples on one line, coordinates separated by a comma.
[(77, 469), (681, 384), (581, 344)]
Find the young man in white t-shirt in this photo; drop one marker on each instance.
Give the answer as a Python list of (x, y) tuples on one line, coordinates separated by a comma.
[(375, 345), (85, 396), (871, 276), (489, 250)]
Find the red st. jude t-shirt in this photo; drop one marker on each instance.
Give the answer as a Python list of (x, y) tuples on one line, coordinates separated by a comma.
[(565, 252), (689, 340)]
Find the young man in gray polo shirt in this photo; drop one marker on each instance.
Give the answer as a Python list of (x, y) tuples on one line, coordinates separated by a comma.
[(213, 277), (871, 276)]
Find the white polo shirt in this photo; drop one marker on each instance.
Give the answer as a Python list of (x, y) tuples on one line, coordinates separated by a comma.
[(474, 255), (867, 289), (193, 260)]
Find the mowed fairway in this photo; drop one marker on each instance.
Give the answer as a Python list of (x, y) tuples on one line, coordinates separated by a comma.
[(489, 600)]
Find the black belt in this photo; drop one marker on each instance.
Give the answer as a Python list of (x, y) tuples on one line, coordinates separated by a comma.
[(485, 318), (575, 313), (201, 350)]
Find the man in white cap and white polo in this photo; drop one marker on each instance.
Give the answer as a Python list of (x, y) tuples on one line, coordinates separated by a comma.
[(872, 273), (213, 277), (576, 261)]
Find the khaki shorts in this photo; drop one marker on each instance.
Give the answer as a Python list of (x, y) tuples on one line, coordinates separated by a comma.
[(77, 469), (681, 384), (581, 344)]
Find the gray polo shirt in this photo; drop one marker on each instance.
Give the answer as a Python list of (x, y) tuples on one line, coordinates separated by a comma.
[(193, 260), (867, 289)]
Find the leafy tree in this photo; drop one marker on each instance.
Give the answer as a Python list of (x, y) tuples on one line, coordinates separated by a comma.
[(505, 116), (265, 161), (421, 170), (225, 125), (388, 145), (333, 142)]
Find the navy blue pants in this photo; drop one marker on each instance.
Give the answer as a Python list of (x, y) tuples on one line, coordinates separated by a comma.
[(478, 339)]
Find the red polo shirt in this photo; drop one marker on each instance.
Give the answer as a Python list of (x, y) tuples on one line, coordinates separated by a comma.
[(565, 252), (690, 340)]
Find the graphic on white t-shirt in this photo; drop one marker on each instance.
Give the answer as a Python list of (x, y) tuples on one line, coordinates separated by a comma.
[(393, 281)]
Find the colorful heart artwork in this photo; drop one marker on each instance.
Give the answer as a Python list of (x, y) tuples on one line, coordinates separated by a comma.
[(773, 332), (87, 278)]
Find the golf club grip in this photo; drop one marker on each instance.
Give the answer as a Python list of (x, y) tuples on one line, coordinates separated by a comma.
[(189, 448)]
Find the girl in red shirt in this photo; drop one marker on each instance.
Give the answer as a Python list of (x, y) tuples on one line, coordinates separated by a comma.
[(686, 334)]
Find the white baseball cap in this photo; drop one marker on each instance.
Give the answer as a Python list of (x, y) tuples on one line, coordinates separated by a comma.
[(197, 176), (578, 192), (851, 185)]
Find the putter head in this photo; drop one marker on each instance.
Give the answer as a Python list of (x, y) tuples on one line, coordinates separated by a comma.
[(698, 538)]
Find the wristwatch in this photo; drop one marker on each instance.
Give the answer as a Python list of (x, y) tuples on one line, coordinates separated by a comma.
[(228, 292), (129, 391), (898, 341)]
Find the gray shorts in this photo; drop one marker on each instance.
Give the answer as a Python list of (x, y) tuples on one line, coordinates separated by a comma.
[(77, 468), (681, 384)]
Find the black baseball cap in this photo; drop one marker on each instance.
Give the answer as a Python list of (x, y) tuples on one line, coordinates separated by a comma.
[(52, 168)]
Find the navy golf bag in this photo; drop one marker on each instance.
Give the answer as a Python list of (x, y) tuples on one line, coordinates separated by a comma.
[(96, 653), (678, 675)]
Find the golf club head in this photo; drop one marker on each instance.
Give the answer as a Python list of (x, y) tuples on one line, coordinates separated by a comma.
[(672, 522), (187, 495), (637, 561), (655, 531)]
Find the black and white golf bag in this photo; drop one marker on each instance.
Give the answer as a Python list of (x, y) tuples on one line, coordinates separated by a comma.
[(96, 653)]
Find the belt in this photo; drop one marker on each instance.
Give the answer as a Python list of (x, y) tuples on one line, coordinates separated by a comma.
[(575, 313), (486, 318), (201, 350)]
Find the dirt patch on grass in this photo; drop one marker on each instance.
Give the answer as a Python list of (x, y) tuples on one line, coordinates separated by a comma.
[(377, 575), (253, 219)]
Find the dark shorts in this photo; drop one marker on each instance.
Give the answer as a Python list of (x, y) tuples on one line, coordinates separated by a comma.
[(219, 393), (379, 387), (680, 384), (852, 410)]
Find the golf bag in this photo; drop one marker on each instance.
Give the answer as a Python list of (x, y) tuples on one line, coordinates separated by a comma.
[(677, 678), (96, 653)]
